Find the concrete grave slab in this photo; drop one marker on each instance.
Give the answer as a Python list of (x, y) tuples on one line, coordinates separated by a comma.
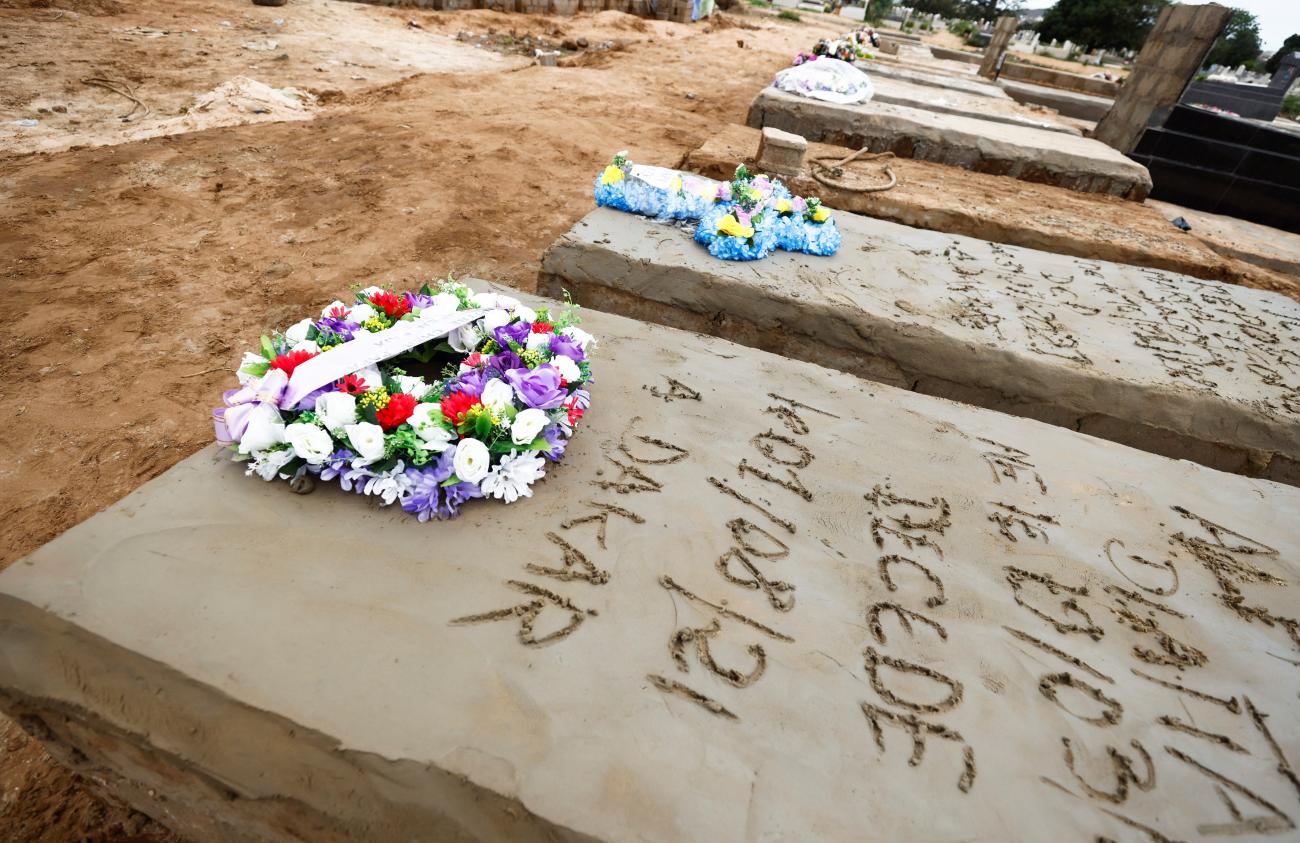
[(1040, 216), (951, 101), (761, 601), (1178, 366), (1069, 103), (900, 71), (1022, 152), (1248, 241)]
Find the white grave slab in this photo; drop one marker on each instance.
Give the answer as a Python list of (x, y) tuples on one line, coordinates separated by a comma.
[(1176, 365), (762, 601)]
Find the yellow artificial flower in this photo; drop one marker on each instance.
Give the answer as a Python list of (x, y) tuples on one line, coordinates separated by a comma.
[(822, 215), (784, 206), (730, 225), (611, 175), (676, 184)]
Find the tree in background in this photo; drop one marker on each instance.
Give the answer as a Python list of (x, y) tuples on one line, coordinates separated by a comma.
[(1239, 42), (943, 8), (1290, 45), (1101, 24), (988, 9)]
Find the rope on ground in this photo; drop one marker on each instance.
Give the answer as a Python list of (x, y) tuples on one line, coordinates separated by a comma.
[(830, 174), (121, 89)]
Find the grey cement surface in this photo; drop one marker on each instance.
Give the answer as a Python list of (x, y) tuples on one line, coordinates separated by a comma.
[(951, 101), (911, 621), (1261, 245), (1069, 103), (1179, 366), (965, 84), (1021, 152)]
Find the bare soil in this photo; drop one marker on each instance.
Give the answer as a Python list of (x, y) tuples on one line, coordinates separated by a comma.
[(140, 257)]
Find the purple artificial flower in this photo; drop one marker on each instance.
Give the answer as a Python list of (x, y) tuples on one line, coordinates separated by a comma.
[(428, 498), (556, 442), (516, 332), (339, 327), (470, 383), (336, 464), (539, 388), (308, 401), (420, 300), (567, 346), (505, 361)]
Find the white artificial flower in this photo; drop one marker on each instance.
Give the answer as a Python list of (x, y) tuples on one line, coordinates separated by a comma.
[(494, 319), (443, 304), (472, 461), (331, 306), (436, 437), (484, 301), (464, 339), (507, 302), (250, 359), (412, 385), (528, 425), (497, 395), (298, 331), (367, 442), (567, 368), (267, 464), (361, 313), (524, 312), (309, 442), (306, 345), (336, 410), (538, 342), (581, 337), (511, 478), (265, 428), (370, 291), (389, 486)]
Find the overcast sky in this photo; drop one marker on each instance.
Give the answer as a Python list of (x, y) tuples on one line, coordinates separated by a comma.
[(1277, 18)]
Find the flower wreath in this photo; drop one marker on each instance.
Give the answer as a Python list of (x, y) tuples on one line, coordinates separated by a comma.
[(744, 219), (476, 412)]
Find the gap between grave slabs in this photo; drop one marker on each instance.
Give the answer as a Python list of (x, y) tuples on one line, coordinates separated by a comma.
[(243, 663)]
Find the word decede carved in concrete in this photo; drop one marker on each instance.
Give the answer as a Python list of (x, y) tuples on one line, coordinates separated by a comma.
[(763, 600)]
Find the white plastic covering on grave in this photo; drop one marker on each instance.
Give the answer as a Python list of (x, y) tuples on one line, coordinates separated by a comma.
[(826, 79)]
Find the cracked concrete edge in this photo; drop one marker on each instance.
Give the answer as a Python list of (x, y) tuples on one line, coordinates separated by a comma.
[(1158, 420), (960, 141), (195, 742)]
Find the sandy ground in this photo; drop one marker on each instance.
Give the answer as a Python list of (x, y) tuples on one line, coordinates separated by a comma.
[(137, 272)]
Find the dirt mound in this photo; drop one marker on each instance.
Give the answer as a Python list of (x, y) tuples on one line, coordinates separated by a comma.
[(82, 7), (620, 20)]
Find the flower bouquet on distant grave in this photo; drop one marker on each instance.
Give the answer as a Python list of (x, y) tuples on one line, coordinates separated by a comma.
[(612, 182), (425, 399), (740, 224)]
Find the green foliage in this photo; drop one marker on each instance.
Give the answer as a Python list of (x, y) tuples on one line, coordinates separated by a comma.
[(1291, 106), (963, 28), (1101, 24), (1238, 43), (788, 14), (988, 9), (762, 4), (1290, 45)]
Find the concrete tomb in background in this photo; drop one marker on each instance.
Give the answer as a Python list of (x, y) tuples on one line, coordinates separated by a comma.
[(1187, 368), (1023, 152), (760, 600)]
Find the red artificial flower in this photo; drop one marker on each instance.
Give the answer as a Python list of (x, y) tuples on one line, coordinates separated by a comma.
[(338, 311), (291, 360), (389, 302), (457, 404), (474, 360), (575, 412), (352, 385), (396, 411), (543, 328)]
